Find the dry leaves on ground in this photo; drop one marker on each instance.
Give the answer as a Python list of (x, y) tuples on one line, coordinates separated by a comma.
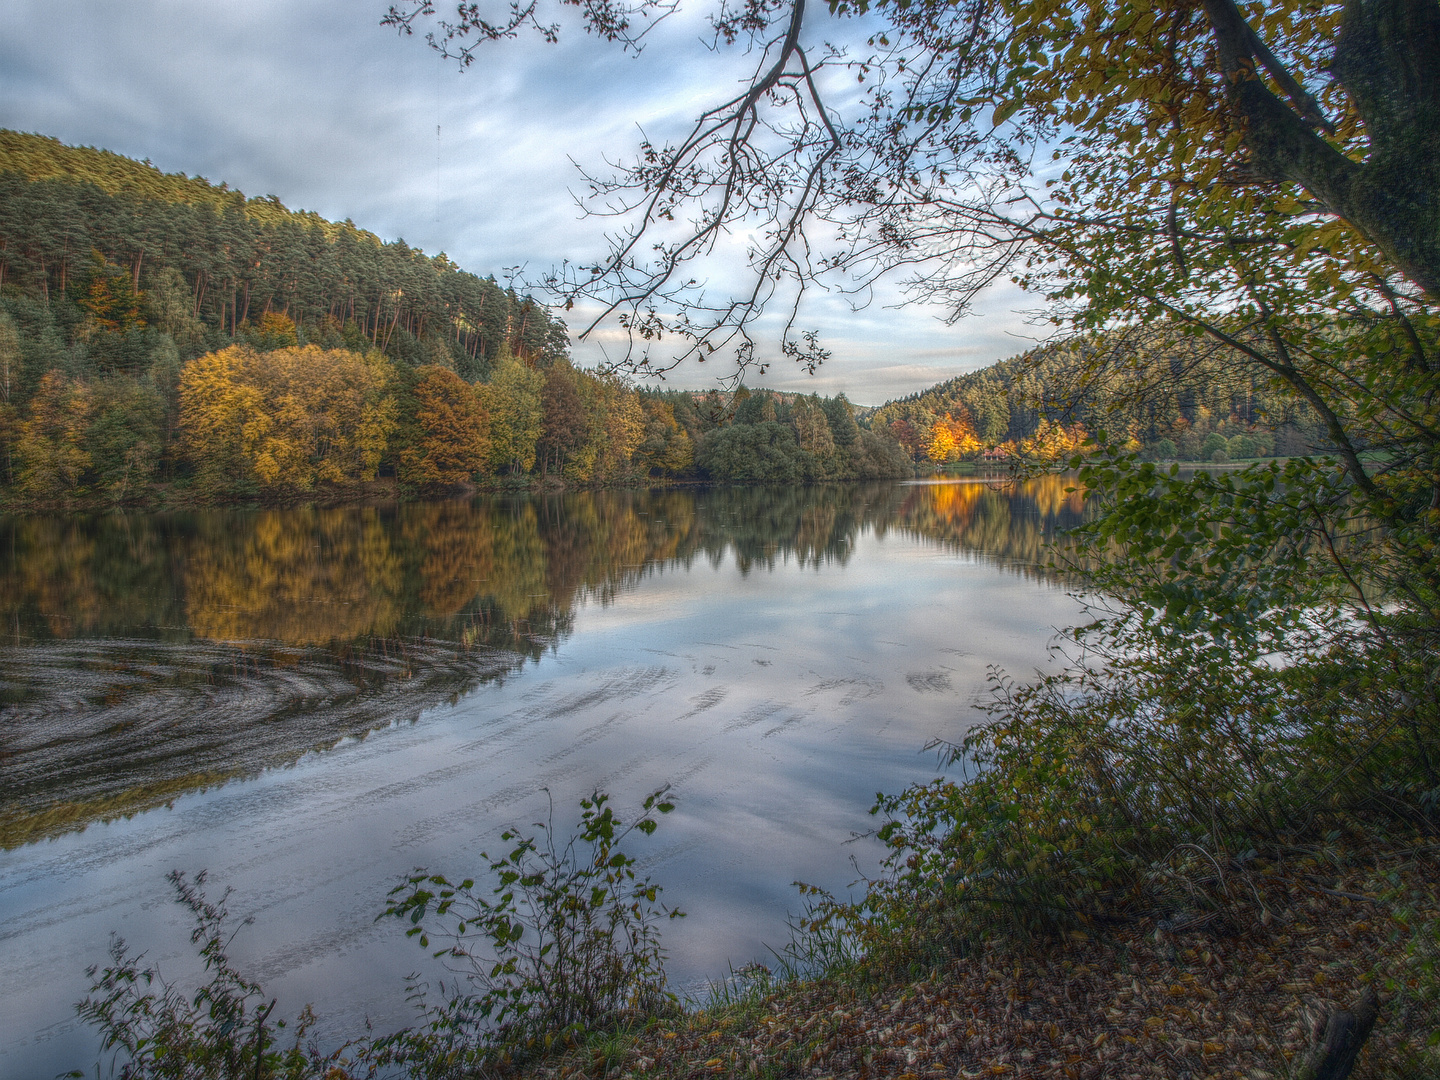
[(1140, 1003)]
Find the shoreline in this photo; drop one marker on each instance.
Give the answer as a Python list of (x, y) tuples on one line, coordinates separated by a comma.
[(168, 498)]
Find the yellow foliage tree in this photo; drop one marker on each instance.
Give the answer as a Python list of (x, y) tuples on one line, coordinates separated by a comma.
[(1053, 441), (49, 451), (666, 447), (624, 429), (951, 438), (285, 419)]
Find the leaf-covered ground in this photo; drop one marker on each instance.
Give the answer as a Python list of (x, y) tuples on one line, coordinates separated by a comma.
[(1226, 998)]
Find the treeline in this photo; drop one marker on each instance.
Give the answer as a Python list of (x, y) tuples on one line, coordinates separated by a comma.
[(245, 422), (1189, 403), (158, 329)]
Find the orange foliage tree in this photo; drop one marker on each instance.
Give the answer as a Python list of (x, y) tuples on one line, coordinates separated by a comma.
[(454, 442), (110, 299)]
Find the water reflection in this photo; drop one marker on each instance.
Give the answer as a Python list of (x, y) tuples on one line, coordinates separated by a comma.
[(777, 655), (146, 656)]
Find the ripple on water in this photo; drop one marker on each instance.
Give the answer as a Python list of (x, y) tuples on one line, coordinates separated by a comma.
[(98, 729)]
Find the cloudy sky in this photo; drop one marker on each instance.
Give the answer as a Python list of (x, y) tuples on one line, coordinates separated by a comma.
[(314, 102)]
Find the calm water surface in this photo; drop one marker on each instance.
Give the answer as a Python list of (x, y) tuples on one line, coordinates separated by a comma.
[(310, 703)]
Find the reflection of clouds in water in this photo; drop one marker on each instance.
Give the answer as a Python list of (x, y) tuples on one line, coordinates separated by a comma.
[(839, 737), (775, 768)]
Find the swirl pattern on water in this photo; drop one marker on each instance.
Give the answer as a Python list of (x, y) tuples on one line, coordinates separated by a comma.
[(152, 655)]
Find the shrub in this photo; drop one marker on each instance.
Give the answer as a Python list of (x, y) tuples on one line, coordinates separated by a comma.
[(154, 1031), (566, 942)]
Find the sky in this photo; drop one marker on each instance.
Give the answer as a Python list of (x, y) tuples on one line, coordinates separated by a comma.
[(315, 102)]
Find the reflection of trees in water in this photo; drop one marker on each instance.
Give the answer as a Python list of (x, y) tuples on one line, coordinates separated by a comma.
[(812, 525), (505, 573), (103, 728), (1012, 524), (304, 577), (143, 656), (81, 577)]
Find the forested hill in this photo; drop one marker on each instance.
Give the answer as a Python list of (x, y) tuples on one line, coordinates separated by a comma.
[(1193, 404), (162, 331), (165, 339), (118, 252)]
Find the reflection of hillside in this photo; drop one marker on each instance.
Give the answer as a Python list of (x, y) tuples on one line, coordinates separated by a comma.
[(1013, 524), (144, 656)]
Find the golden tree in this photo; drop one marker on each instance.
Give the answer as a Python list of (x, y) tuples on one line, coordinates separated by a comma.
[(951, 438), (50, 456), (286, 419), (454, 443)]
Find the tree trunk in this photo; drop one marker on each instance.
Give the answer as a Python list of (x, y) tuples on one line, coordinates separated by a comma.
[(1387, 57), (1338, 1041)]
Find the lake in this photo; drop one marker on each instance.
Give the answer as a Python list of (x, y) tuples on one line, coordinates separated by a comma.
[(309, 703)]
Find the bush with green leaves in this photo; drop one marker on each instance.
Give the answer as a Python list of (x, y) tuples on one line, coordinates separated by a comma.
[(755, 453), (564, 942), (152, 1030), (1412, 987), (1254, 678)]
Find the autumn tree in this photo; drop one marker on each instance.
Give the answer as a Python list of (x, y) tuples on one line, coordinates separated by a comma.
[(666, 448), (49, 452), (1058, 442), (221, 418), (275, 331), (620, 430), (952, 437), (110, 298), (908, 436), (453, 445), (286, 419)]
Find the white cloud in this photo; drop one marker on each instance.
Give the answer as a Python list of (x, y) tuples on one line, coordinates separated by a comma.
[(313, 101)]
